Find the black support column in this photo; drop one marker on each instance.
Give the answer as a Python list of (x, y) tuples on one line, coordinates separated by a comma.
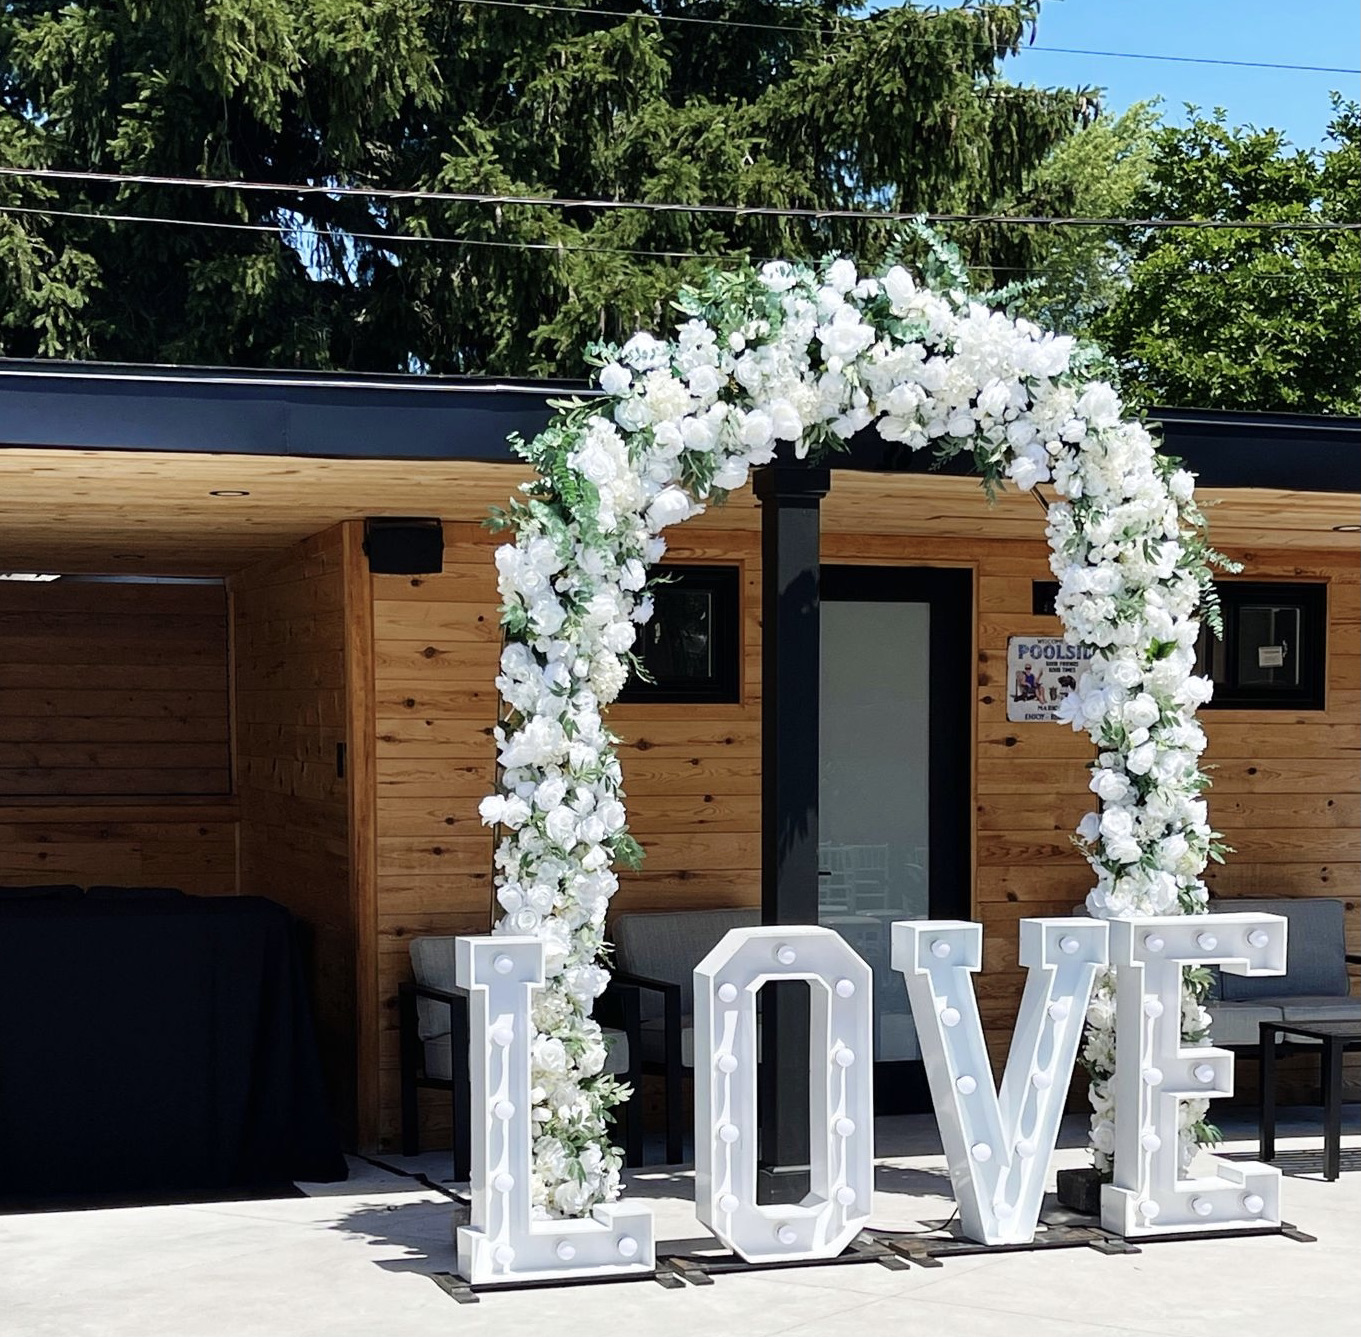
[(790, 493)]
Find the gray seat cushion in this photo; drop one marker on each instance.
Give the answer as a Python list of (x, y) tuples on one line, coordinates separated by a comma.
[(669, 947), (438, 1054), (654, 1040), (1236, 1023), (1324, 1008), (1316, 964), (432, 962)]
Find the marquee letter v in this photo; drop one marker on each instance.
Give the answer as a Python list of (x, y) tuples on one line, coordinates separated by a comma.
[(998, 1149)]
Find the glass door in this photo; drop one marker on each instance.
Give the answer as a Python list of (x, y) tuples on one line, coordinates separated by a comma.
[(895, 743)]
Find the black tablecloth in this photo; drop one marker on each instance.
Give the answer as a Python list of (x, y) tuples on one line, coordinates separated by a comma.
[(156, 1048)]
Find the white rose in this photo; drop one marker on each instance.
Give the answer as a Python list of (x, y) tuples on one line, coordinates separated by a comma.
[(1122, 849), (1099, 404), (632, 414), (1140, 760), (570, 1198), (778, 276), (492, 809), (547, 1056), (704, 381), (1125, 671), (731, 474), (785, 421), (1142, 712), (614, 379), (1116, 823), (669, 507), (699, 434), (757, 429), (561, 826), (841, 276), (1024, 472), (550, 793), (611, 812), (645, 353), (900, 288)]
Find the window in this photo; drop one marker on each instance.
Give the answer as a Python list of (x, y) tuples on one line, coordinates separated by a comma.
[(1273, 653), (691, 648)]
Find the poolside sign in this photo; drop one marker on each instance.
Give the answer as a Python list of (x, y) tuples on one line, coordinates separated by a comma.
[(1041, 671)]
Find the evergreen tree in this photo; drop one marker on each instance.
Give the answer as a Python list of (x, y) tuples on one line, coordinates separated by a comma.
[(808, 106)]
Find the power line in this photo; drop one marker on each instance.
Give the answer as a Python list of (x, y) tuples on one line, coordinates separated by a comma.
[(284, 231), (667, 207), (922, 38)]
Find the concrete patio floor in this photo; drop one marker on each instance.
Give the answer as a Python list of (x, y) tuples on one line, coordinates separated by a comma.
[(356, 1258)]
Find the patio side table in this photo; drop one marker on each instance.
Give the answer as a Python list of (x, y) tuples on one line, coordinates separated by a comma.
[(1333, 1039)]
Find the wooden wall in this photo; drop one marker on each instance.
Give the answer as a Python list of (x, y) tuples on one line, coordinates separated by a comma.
[(291, 716), (114, 761), (1287, 790), (137, 844), (113, 689), (437, 641)]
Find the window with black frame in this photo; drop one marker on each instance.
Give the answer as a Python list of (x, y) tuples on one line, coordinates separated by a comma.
[(691, 646), (1273, 654)]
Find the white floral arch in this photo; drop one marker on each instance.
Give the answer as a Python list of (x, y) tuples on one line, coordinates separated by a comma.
[(813, 356)]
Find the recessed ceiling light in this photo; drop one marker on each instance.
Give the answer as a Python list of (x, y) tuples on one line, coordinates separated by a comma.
[(27, 575), (228, 492), (1347, 529)]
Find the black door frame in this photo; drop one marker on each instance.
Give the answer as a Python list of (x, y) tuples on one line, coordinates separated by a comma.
[(901, 1087)]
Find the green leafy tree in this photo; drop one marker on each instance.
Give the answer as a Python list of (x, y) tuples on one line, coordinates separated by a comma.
[(1236, 318), (1099, 172), (811, 107)]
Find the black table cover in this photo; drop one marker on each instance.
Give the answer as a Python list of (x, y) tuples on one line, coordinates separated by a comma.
[(156, 1048)]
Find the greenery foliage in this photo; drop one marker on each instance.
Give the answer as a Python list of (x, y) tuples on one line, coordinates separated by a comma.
[(903, 108), (1234, 318)]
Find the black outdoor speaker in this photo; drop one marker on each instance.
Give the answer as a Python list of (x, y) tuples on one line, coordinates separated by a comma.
[(404, 545)]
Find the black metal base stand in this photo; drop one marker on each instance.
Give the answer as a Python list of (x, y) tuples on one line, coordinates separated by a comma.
[(465, 1293), (896, 1252), (701, 1269)]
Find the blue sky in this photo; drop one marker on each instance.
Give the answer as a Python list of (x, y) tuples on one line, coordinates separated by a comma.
[(1300, 32)]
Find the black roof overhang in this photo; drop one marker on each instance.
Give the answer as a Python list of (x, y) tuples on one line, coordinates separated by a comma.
[(94, 406)]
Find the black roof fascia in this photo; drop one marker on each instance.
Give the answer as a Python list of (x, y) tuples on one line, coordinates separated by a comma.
[(91, 406), (210, 410)]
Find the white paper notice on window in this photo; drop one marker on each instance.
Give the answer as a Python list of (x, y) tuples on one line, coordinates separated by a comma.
[(1041, 671), (1271, 656)]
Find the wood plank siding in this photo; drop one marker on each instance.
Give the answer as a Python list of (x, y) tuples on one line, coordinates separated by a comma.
[(111, 689), (114, 759), (291, 716), (352, 735), (693, 772)]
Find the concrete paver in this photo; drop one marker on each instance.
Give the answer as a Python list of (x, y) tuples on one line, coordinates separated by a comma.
[(356, 1259)]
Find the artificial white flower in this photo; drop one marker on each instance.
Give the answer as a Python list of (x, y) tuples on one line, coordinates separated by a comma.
[(807, 363)]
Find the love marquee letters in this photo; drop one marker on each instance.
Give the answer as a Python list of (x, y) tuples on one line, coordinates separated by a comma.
[(998, 1146), (503, 1243), (998, 1141), (1154, 1073), (840, 1092)]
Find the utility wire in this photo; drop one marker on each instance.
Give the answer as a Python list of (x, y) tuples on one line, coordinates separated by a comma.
[(667, 207), (285, 231), (922, 38)]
